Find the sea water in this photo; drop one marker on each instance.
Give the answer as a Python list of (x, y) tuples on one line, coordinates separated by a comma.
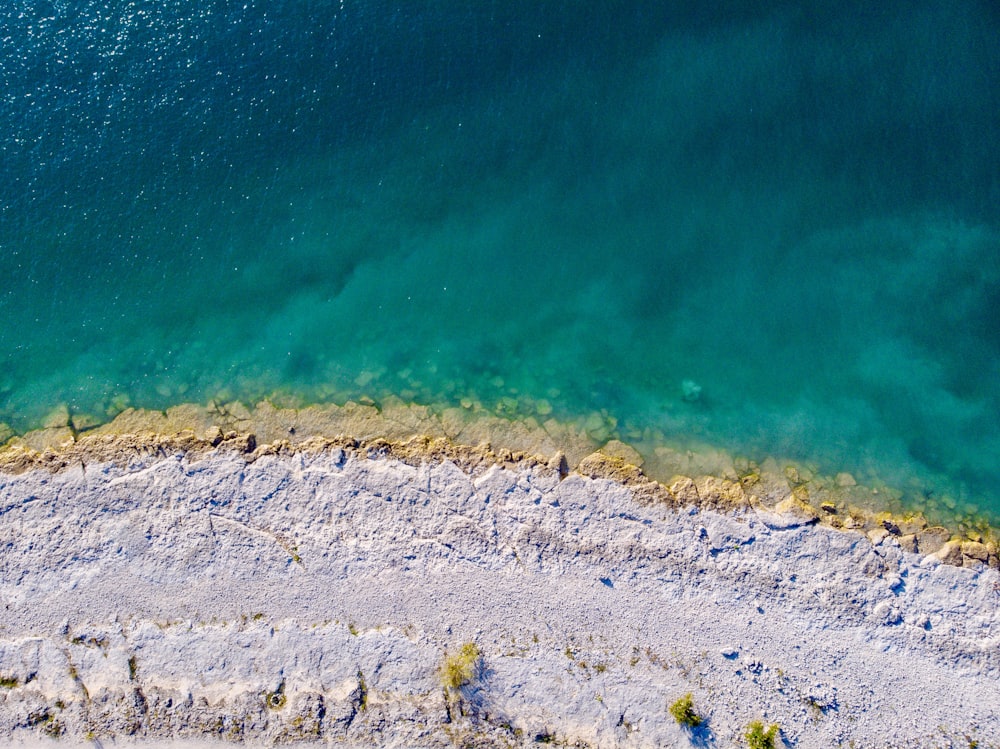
[(772, 228)]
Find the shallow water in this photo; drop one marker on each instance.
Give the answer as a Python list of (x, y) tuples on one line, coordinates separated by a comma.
[(775, 229)]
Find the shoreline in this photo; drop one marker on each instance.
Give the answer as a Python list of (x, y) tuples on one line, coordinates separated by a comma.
[(189, 589), (412, 432)]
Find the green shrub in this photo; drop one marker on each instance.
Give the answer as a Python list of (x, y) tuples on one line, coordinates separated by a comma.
[(460, 669), (683, 712), (759, 738)]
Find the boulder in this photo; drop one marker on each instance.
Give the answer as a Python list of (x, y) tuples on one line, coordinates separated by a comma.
[(975, 550), (57, 417), (49, 438), (618, 449), (845, 480), (930, 540), (795, 506), (950, 553), (720, 492), (685, 490), (600, 466), (559, 464), (82, 422), (912, 525), (789, 513), (877, 535), (890, 525)]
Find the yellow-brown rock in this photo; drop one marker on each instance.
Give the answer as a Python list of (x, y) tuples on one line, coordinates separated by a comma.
[(975, 550), (795, 506), (722, 492), (684, 488), (930, 540), (617, 449), (951, 553), (599, 465)]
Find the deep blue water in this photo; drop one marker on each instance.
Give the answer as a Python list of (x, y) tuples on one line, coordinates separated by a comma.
[(792, 207)]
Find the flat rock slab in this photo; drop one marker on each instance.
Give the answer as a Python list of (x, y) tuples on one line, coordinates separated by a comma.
[(316, 596)]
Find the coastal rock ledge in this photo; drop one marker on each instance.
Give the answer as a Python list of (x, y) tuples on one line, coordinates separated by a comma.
[(355, 595)]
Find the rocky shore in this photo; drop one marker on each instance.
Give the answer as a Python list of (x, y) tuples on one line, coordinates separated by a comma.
[(705, 476), (241, 575)]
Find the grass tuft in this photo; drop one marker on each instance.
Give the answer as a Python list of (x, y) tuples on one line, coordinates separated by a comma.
[(460, 669), (760, 738), (684, 712)]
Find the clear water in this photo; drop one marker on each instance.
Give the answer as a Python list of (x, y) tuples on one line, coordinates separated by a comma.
[(794, 207)]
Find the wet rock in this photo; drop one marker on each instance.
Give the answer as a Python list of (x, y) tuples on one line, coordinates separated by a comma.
[(722, 493), (911, 526), (618, 449), (599, 465), (244, 443), (135, 421), (890, 525), (845, 479), (685, 490), (559, 464), (214, 436), (690, 391), (877, 535), (852, 523), (51, 438), (789, 513), (83, 422), (57, 417), (975, 550), (930, 540), (453, 421)]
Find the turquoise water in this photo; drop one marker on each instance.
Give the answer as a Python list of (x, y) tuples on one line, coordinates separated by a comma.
[(774, 228)]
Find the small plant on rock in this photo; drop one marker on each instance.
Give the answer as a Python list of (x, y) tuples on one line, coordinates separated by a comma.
[(457, 671), (460, 669), (684, 712), (760, 738)]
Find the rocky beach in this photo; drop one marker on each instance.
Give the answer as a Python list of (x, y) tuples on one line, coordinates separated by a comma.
[(500, 374), (254, 576)]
